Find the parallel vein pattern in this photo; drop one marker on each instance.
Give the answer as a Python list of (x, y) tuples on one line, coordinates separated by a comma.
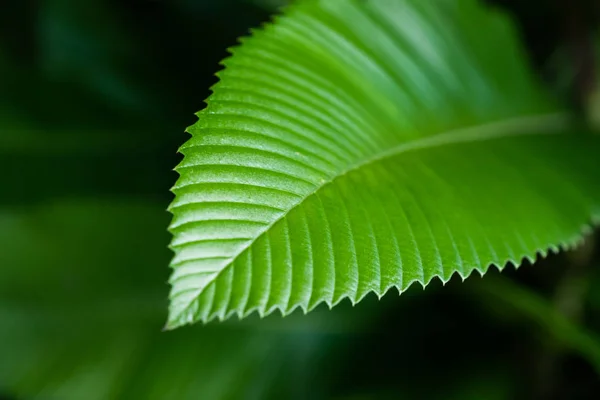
[(354, 146)]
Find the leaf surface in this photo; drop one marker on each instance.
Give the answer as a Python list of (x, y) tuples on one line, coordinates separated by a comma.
[(356, 146)]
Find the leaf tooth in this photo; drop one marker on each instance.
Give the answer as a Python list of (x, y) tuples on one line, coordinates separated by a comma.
[(260, 158), (443, 205), (185, 267), (337, 234), (234, 192), (408, 247), (302, 259), (204, 223), (184, 303), (437, 261), (218, 229), (259, 176), (323, 259), (261, 276), (228, 209), (363, 235), (242, 283), (391, 257), (205, 302), (208, 242), (420, 226), (223, 292), (282, 268)]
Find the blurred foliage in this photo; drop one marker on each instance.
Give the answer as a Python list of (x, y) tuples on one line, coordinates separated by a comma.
[(94, 100)]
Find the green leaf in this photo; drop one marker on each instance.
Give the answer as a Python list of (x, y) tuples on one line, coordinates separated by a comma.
[(357, 146)]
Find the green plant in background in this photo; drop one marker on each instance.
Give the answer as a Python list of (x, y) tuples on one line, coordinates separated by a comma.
[(353, 147), (349, 147)]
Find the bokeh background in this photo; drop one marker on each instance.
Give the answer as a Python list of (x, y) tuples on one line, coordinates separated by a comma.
[(95, 96)]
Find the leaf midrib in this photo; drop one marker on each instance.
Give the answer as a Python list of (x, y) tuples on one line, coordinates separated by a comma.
[(543, 124)]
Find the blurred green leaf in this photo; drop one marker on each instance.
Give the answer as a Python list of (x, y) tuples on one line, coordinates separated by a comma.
[(82, 301), (70, 49), (78, 248), (502, 292)]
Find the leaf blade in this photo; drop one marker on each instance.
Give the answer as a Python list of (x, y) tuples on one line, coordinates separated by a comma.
[(263, 142)]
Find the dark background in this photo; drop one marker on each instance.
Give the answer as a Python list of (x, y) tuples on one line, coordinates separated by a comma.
[(95, 96)]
